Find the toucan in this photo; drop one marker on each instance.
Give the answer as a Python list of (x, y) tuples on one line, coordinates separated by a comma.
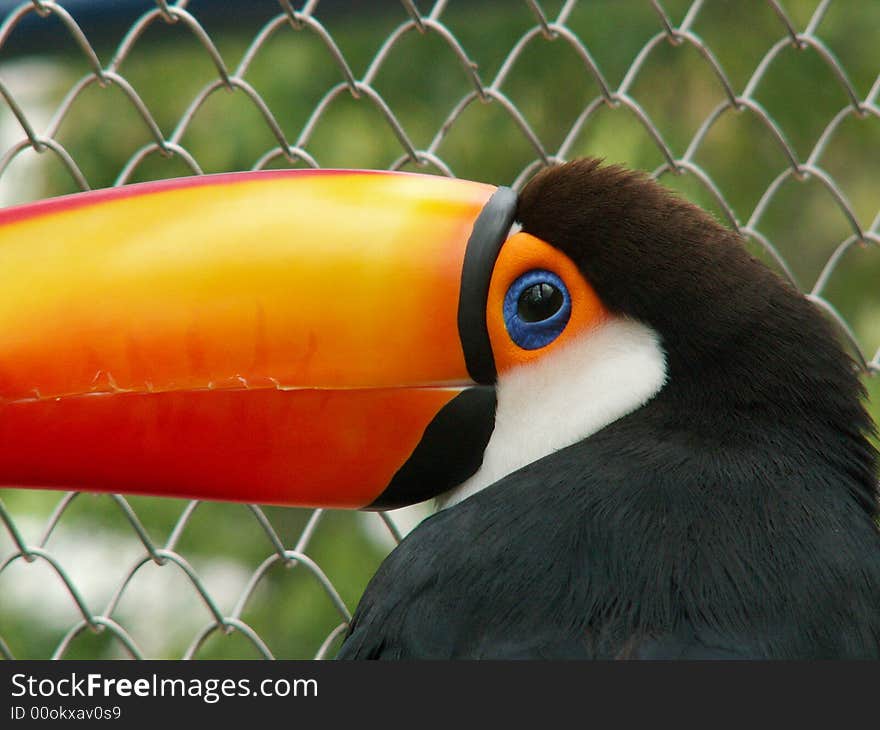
[(642, 442)]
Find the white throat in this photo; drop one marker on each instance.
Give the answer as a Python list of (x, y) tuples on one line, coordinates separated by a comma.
[(566, 396)]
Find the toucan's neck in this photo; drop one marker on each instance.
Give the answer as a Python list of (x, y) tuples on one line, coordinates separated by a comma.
[(775, 356), (774, 381), (567, 396)]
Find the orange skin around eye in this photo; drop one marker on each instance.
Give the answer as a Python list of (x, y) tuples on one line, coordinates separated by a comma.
[(521, 253)]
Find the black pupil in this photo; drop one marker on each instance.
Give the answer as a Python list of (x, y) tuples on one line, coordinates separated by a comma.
[(539, 302)]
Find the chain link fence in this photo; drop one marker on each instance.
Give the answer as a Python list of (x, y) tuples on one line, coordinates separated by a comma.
[(765, 112)]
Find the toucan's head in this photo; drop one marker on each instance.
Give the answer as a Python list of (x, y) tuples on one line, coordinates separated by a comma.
[(364, 339)]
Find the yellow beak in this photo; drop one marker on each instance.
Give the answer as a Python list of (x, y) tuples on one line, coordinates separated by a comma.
[(286, 337)]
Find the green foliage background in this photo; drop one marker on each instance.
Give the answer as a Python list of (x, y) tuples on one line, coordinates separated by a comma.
[(421, 82)]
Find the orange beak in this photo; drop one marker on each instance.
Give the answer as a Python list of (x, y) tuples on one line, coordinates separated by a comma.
[(294, 337)]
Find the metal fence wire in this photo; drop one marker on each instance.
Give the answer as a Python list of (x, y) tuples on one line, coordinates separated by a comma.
[(765, 112)]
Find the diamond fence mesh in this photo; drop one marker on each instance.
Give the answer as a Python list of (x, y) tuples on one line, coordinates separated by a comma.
[(764, 112)]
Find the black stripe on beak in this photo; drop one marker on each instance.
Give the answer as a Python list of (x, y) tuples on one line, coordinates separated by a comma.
[(450, 451), (489, 233)]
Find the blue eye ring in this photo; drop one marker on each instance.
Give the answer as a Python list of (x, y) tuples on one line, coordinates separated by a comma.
[(537, 307)]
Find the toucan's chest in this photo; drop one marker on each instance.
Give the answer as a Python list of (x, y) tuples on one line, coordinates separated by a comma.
[(615, 542)]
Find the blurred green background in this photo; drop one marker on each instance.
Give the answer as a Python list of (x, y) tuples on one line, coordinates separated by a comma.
[(421, 80)]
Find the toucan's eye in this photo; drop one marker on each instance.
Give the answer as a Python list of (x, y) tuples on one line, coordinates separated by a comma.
[(537, 307), (539, 302)]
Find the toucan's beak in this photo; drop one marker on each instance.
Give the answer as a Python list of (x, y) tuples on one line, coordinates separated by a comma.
[(307, 338)]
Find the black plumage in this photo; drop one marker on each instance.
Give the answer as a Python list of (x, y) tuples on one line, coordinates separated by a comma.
[(734, 515)]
